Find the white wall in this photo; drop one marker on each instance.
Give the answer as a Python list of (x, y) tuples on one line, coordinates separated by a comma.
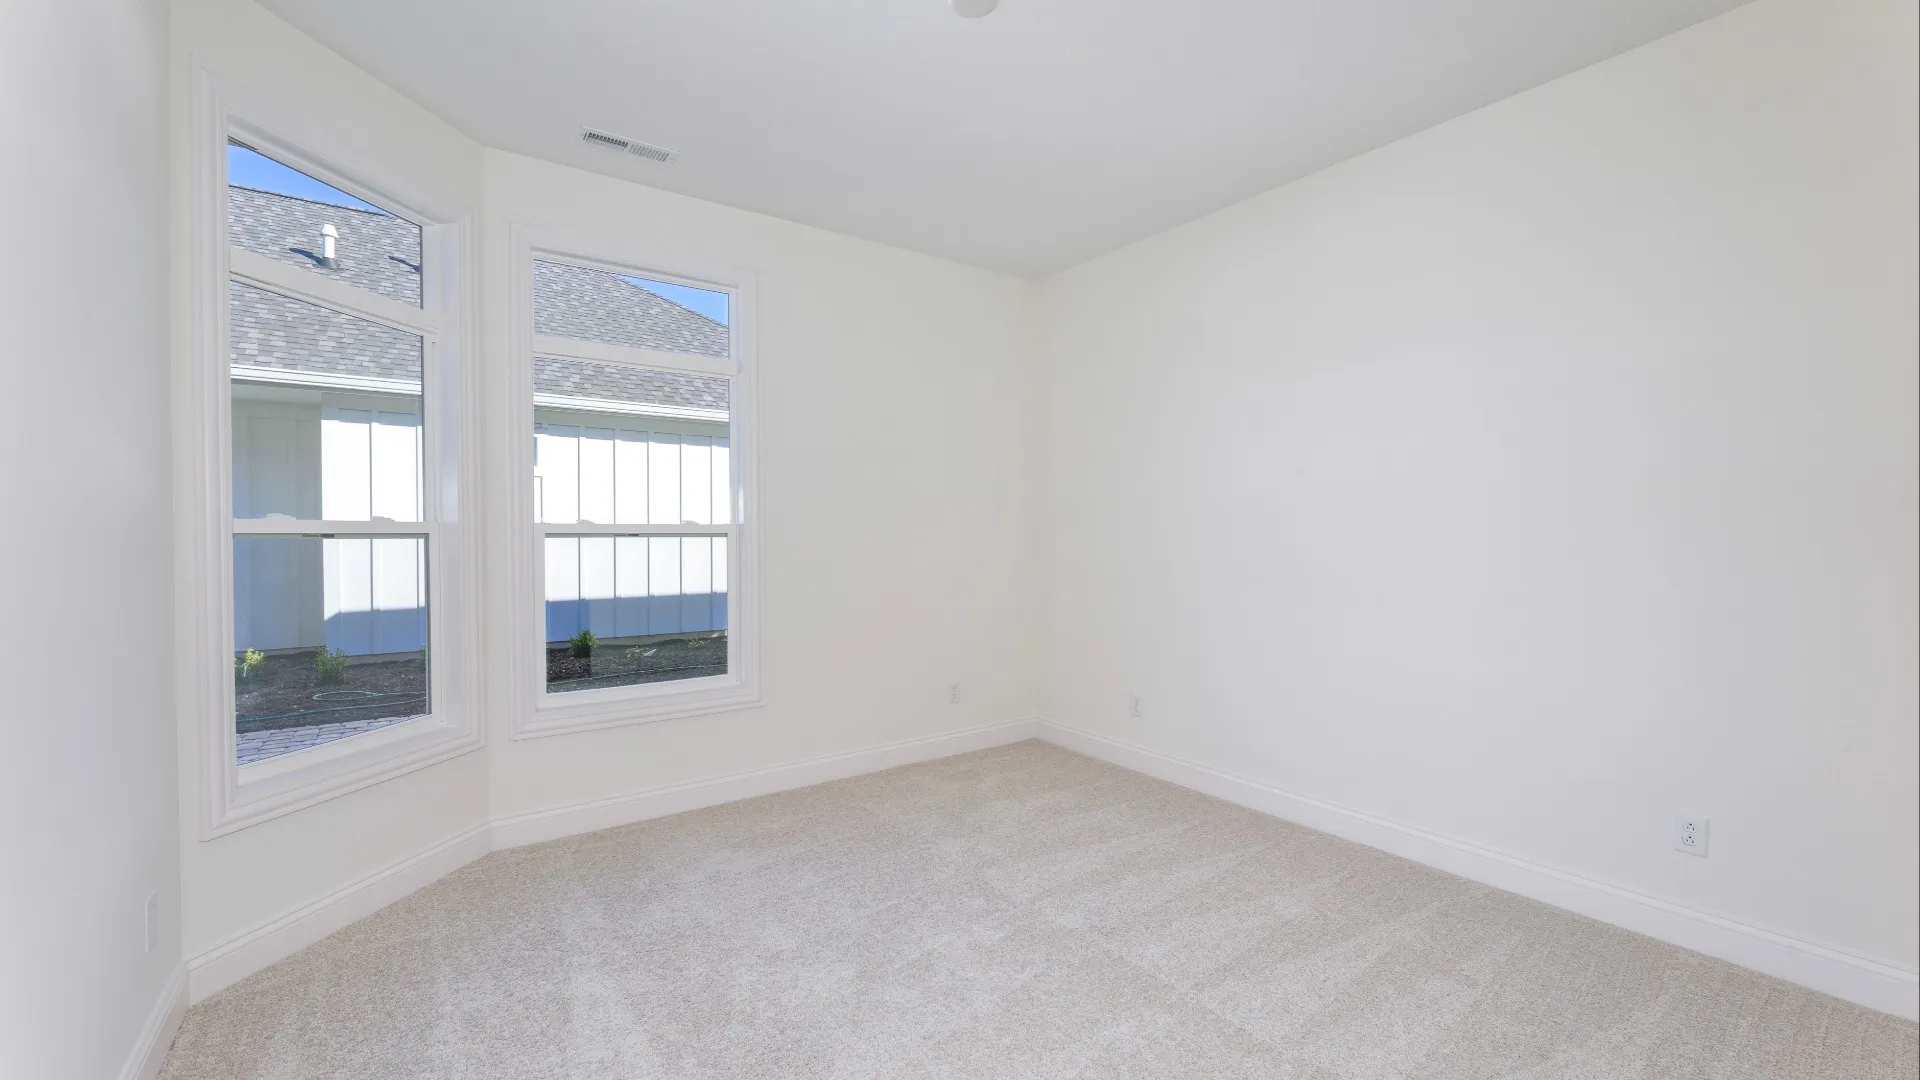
[(238, 882), (1538, 477), (898, 471), (1527, 481), (87, 821)]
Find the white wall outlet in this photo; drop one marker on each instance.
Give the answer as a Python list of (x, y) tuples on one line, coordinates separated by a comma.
[(1690, 835), (151, 920), (1134, 704), (953, 693)]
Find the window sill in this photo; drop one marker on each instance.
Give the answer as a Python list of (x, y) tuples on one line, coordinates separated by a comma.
[(267, 789), (589, 710)]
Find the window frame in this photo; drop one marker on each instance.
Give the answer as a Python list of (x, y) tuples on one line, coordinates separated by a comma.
[(234, 796), (537, 712)]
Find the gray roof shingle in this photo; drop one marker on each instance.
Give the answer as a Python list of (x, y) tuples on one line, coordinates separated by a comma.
[(381, 253), (273, 331), (593, 305), (618, 382), (376, 252)]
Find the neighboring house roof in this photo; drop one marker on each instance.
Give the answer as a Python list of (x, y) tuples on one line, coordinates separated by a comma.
[(381, 253), (376, 252), (618, 382), (273, 331), (593, 305)]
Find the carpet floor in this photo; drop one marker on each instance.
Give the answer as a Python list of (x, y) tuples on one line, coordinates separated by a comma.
[(1021, 912)]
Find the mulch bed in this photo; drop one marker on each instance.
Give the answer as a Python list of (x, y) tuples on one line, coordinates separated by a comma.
[(627, 665), (283, 692)]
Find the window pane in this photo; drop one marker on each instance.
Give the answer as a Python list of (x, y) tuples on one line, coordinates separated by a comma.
[(622, 610), (330, 639), (615, 309), (290, 217), (326, 412), (622, 445)]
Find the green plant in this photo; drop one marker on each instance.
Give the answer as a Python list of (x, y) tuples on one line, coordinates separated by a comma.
[(329, 666), (248, 662), (581, 644)]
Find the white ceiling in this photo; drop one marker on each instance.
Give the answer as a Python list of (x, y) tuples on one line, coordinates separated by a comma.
[(1046, 133)]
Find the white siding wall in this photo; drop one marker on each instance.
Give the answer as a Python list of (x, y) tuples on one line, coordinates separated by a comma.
[(632, 471), (276, 458), (341, 458)]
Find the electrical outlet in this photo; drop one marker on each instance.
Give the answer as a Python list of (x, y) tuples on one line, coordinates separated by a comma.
[(151, 917), (1136, 704), (1690, 835), (953, 693)]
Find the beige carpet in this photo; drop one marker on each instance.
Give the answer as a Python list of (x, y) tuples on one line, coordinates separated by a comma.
[(1020, 912)]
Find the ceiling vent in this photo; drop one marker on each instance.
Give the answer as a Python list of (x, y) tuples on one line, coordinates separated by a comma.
[(618, 144)]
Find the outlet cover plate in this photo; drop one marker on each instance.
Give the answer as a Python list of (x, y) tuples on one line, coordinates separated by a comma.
[(1690, 835)]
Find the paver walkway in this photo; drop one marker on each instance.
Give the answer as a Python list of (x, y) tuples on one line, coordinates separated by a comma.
[(252, 746)]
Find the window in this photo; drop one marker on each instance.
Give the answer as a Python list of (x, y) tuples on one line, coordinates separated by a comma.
[(639, 559), (327, 373)]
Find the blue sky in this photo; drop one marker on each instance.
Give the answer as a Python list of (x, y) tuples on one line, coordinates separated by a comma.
[(250, 168), (705, 301)]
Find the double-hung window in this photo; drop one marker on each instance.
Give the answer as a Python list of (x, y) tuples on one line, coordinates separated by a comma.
[(333, 455), (639, 480)]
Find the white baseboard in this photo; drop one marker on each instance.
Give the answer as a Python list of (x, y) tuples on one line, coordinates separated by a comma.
[(225, 964), (156, 1038), (1859, 979), (541, 825)]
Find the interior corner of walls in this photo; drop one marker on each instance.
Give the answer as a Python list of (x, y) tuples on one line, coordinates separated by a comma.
[(231, 960), (149, 1051), (236, 958), (303, 84), (569, 819)]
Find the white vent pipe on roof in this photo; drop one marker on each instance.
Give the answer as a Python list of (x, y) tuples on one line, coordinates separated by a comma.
[(329, 236)]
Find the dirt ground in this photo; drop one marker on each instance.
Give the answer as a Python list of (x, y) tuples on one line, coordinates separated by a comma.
[(627, 665), (283, 693)]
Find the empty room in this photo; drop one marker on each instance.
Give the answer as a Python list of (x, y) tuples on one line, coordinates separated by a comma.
[(961, 539)]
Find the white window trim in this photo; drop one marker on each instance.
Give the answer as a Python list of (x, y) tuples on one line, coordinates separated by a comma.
[(234, 797), (537, 713)]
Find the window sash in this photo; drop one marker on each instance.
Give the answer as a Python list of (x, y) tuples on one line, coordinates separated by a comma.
[(261, 272), (559, 348), (283, 526), (354, 303), (546, 699), (538, 713), (424, 322), (558, 529)]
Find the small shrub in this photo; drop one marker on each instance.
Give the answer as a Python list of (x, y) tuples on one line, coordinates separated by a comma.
[(581, 644), (329, 666), (247, 663)]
